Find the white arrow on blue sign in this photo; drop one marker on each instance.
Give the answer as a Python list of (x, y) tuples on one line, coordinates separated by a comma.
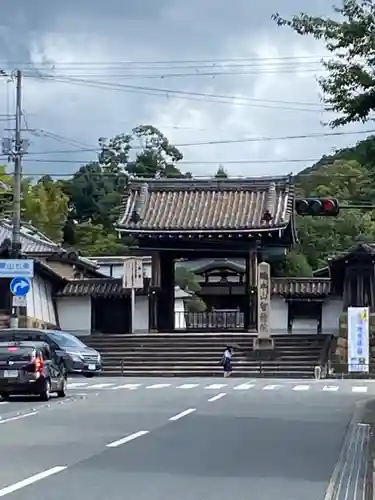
[(20, 286)]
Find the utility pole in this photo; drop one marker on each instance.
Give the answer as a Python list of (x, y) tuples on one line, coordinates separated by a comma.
[(17, 175)]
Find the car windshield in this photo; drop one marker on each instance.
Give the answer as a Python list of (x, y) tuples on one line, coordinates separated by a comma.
[(67, 340), (10, 352)]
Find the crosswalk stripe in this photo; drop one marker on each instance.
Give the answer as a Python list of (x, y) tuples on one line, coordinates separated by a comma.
[(3, 402), (301, 388), (158, 386), (359, 388), (127, 386), (99, 386), (216, 386), (244, 387), (73, 385), (187, 386), (332, 388), (271, 387)]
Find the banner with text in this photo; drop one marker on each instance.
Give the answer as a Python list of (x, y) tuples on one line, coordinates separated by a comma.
[(358, 339)]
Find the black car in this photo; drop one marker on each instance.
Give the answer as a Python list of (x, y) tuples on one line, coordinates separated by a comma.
[(30, 368), (75, 356)]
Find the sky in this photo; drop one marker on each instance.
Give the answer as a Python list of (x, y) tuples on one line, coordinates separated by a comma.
[(96, 69)]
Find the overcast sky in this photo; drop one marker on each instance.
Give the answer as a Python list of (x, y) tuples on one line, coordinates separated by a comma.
[(80, 42)]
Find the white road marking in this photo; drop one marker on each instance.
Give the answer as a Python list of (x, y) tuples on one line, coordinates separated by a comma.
[(182, 414), (126, 439), (158, 386), (218, 396), (331, 388), (127, 386), (216, 386), (271, 387), (74, 385), (30, 480), (244, 387), (301, 388), (359, 388), (3, 402), (18, 417), (187, 386), (99, 386)]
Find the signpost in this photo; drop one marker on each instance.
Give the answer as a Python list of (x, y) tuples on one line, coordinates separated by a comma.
[(19, 287), (358, 339), (133, 280), (12, 268), (264, 340)]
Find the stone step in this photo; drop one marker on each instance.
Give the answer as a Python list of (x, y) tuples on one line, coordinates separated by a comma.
[(200, 373)]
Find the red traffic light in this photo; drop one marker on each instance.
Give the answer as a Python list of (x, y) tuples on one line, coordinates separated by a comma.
[(323, 207)]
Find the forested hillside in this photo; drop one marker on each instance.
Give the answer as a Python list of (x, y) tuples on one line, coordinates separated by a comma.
[(80, 211)]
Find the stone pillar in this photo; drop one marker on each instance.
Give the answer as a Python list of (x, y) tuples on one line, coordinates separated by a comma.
[(165, 301)]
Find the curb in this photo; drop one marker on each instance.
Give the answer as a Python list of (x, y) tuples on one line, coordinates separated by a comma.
[(342, 481)]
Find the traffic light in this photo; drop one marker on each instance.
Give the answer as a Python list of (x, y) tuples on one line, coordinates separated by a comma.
[(323, 207)]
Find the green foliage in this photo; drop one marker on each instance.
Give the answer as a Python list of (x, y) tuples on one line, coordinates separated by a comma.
[(221, 173), (295, 264), (93, 239), (348, 176), (349, 88)]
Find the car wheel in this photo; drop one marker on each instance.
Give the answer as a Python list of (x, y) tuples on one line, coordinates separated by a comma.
[(5, 395), (45, 393), (62, 392)]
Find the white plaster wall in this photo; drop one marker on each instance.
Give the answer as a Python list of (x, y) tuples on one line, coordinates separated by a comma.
[(279, 315), (332, 309), (40, 301), (75, 314), (141, 324)]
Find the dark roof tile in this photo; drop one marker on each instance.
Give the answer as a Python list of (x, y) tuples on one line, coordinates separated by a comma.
[(177, 205), (102, 287)]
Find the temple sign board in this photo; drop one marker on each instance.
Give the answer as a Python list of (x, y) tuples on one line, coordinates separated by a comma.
[(264, 299)]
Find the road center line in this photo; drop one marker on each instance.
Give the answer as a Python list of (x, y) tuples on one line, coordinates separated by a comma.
[(30, 480), (218, 396), (18, 417), (126, 439), (182, 414)]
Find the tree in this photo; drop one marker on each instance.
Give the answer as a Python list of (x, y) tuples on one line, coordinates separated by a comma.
[(295, 264), (45, 206), (94, 239), (349, 88), (221, 173)]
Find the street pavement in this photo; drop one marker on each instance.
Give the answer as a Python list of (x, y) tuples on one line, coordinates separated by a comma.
[(167, 442)]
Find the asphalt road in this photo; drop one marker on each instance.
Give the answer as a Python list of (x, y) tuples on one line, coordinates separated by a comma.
[(168, 444)]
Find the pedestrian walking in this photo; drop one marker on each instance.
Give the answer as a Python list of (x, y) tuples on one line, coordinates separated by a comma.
[(227, 361)]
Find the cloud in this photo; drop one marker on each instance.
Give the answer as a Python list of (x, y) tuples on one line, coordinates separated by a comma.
[(87, 40)]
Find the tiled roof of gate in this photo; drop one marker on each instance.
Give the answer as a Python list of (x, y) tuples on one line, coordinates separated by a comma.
[(207, 204), (100, 286), (301, 286)]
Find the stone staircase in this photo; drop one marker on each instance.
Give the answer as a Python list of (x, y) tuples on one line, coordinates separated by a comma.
[(199, 355)]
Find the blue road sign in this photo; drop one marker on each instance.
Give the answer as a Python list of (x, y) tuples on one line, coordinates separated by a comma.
[(13, 268), (20, 286)]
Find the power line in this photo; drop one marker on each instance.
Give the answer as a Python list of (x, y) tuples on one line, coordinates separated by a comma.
[(167, 62), (178, 94), (224, 141)]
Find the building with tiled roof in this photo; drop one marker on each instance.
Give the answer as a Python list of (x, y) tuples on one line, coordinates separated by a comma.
[(207, 206), (184, 218)]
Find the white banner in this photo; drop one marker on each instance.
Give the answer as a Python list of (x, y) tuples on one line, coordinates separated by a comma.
[(358, 339)]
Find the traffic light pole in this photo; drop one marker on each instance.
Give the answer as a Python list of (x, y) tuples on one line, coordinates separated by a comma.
[(17, 179)]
